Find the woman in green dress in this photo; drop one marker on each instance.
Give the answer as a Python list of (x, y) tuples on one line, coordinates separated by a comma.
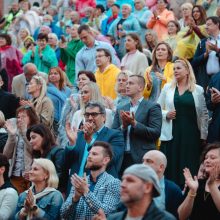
[(185, 121), (68, 52)]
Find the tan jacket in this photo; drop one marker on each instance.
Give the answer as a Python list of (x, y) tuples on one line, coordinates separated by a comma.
[(45, 111), (11, 147)]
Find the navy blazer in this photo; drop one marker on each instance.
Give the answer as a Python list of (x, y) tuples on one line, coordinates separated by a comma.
[(74, 155), (144, 135)]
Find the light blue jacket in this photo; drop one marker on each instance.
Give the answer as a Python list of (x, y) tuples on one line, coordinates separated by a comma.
[(49, 205)]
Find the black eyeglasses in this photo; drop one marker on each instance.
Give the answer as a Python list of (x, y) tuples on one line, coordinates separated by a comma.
[(93, 114)]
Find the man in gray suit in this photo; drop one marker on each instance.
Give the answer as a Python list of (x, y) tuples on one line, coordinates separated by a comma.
[(140, 120)]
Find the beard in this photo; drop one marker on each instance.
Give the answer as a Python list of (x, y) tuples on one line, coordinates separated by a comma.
[(93, 167)]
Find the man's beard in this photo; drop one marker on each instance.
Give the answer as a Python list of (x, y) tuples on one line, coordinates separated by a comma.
[(93, 167)]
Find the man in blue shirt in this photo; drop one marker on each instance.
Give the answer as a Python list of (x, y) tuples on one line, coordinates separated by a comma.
[(86, 57), (93, 130)]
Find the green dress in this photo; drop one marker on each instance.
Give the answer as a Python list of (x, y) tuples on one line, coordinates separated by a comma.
[(68, 56), (185, 148)]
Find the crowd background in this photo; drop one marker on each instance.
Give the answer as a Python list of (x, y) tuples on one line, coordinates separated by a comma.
[(134, 76)]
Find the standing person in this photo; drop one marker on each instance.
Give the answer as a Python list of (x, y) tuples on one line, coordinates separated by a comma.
[(18, 148), (10, 58), (85, 58), (213, 104), (43, 144), (190, 35), (123, 25), (98, 190), (93, 130), (106, 73), (134, 60), (203, 195), (206, 61), (185, 121), (171, 195), (43, 56), (139, 120), (161, 16), (173, 28), (68, 52), (160, 72), (139, 187), (142, 13), (42, 199), (8, 195), (58, 92), (37, 88)]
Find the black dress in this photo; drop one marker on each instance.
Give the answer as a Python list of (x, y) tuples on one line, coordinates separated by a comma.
[(204, 207)]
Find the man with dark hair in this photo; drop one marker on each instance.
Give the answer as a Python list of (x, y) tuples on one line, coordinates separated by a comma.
[(85, 58), (140, 121), (206, 61), (106, 74), (98, 190), (8, 195), (93, 130), (43, 56)]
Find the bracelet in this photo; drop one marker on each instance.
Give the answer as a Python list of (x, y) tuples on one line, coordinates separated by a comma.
[(192, 195)]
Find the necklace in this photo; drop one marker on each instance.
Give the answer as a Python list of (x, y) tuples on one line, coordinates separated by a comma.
[(206, 195)]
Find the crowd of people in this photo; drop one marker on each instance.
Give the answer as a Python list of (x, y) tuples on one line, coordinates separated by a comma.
[(110, 109)]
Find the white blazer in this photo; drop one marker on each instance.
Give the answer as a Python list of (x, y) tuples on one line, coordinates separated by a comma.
[(166, 101)]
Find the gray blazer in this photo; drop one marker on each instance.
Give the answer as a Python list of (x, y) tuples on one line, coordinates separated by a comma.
[(144, 135)]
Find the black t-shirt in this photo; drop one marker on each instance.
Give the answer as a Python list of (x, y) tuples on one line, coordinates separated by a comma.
[(204, 207)]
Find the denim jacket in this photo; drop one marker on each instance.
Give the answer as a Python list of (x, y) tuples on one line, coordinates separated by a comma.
[(49, 205)]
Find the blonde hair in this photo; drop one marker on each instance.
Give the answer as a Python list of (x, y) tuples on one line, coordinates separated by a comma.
[(49, 167), (2, 119), (187, 5), (40, 81), (191, 80), (95, 95)]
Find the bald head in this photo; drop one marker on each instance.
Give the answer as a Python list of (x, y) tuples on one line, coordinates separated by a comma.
[(157, 160)]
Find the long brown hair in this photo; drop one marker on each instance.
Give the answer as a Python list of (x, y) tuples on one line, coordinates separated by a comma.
[(154, 59), (62, 77), (203, 16)]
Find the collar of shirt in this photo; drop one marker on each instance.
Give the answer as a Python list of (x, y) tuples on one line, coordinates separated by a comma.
[(96, 43), (138, 102), (213, 38), (93, 183), (100, 129)]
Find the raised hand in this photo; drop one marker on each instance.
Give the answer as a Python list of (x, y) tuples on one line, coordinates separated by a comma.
[(88, 129), (10, 127), (214, 174), (71, 133), (191, 182)]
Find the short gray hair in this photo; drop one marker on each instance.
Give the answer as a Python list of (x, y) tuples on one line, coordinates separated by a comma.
[(96, 105), (26, 66)]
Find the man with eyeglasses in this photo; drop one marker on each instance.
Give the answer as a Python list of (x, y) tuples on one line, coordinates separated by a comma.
[(93, 130), (106, 74)]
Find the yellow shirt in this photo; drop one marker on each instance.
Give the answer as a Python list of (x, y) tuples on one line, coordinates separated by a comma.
[(106, 80)]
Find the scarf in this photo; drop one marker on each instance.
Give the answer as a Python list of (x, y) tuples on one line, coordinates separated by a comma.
[(39, 195)]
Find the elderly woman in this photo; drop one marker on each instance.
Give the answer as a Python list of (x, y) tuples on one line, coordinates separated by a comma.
[(53, 42), (160, 72), (134, 60), (43, 105), (185, 121), (186, 10), (142, 13), (42, 199), (18, 148), (10, 58), (203, 198), (161, 16)]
